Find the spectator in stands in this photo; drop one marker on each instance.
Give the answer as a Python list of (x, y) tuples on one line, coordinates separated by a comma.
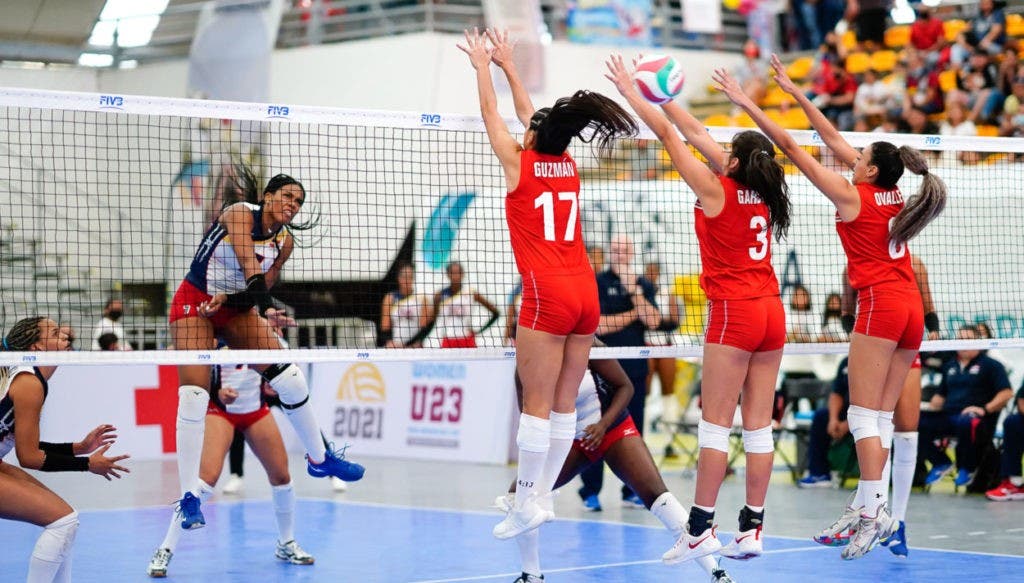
[(957, 124), (111, 322), (1008, 65), (874, 97), (923, 88), (986, 32), (1012, 486), (109, 341), (977, 87), (596, 255), (966, 405), (890, 123), (752, 74), (1011, 120), (832, 320), (801, 323), (869, 17), (829, 425), (835, 95), (927, 34), (915, 121)]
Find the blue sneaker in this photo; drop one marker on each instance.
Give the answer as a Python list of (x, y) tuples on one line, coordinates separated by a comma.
[(592, 503), (334, 464), (963, 477), (812, 481), (633, 501), (191, 514), (897, 543), (937, 473)]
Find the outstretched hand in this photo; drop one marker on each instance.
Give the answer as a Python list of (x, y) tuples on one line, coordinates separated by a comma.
[(476, 48), (782, 77), (619, 74), (102, 465), (503, 47), (102, 435), (727, 85)]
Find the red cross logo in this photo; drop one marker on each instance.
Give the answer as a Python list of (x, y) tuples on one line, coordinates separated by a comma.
[(159, 406)]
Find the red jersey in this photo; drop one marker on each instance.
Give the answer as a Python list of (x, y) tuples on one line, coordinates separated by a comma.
[(736, 246), (543, 216), (871, 258)]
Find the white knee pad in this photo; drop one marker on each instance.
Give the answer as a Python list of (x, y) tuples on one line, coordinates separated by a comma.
[(712, 436), (759, 440), (54, 544), (905, 448), (192, 403), (863, 422), (290, 383), (534, 434), (886, 428), (563, 425)]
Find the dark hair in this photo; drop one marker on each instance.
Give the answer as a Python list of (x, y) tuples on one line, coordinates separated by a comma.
[(107, 340), (826, 314), (448, 268), (23, 334), (556, 126), (758, 169), (921, 208), (246, 183)]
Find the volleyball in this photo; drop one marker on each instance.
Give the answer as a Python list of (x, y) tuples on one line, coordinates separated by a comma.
[(659, 78)]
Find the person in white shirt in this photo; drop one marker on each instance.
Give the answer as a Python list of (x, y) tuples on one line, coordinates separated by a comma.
[(111, 323), (802, 323), (957, 124)]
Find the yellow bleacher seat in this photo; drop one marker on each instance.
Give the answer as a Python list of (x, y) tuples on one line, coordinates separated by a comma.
[(719, 119), (947, 81), (1015, 25), (799, 69), (775, 115), (884, 61), (897, 37), (857, 63), (776, 97), (953, 28), (849, 40), (988, 131), (795, 119), (744, 120)]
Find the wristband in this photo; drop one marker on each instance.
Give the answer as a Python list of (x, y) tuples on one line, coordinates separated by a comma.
[(667, 326), (57, 462), (931, 322), (848, 321), (256, 287), (57, 448), (384, 336), (240, 301)]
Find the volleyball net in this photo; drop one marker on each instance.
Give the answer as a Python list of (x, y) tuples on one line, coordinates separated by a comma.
[(108, 196)]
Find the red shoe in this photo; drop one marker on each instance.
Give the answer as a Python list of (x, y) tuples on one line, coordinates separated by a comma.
[(1006, 491)]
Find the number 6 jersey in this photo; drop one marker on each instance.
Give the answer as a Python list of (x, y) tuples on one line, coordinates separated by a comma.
[(736, 246), (871, 258)]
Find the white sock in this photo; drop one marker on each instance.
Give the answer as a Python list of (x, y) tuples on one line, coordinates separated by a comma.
[(756, 509), (64, 573), (874, 497), (670, 512), (52, 549), (708, 509), (887, 472), (284, 509), (708, 563), (563, 430), (293, 390), (669, 408), (529, 552), (858, 498), (170, 542), (190, 427), (904, 462), (534, 440)]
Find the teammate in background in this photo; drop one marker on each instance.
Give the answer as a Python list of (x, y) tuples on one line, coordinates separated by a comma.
[(453, 306), (874, 226), (405, 316), (515, 302), (740, 205), (605, 430), (23, 390), (226, 294), (560, 311), (665, 367), (237, 404)]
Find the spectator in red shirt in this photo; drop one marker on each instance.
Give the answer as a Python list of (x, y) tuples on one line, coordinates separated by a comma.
[(927, 34), (835, 91), (923, 89)]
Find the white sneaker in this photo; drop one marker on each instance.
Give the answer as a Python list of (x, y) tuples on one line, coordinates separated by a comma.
[(528, 517), (293, 553), (338, 484), (870, 530), (505, 503), (689, 547), (233, 485), (159, 563), (745, 545), (841, 531)]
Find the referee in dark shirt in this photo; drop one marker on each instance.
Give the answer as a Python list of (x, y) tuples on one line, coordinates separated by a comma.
[(966, 405)]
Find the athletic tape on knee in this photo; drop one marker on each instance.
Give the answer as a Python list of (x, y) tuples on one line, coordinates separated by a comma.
[(563, 425), (534, 433), (886, 428), (905, 447), (192, 403), (712, 436), (290, 384), (54, 544), (758, 440), (863, 422)]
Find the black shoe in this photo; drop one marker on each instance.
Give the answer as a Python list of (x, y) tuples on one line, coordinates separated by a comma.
[(527, 578)]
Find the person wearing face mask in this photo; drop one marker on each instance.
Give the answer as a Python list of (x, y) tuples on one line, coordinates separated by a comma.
[(111, 324)]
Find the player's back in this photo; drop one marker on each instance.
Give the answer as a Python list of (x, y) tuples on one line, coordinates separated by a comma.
[(872, 258)]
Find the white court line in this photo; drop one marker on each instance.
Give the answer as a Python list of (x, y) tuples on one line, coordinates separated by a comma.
[(600, 566), (976, 533), (938, 536), (1015, 530)]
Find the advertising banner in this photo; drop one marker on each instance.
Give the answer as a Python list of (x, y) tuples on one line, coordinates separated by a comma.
[(613, 22)]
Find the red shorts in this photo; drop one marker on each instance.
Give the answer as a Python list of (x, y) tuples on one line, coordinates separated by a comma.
[(757, 325), (917, 361), (560, 304), (186, 301), (464, 342), (893, 313), (624, 429), (240, 421)]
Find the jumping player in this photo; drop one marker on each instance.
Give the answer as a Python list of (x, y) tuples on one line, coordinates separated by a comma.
[(226, 294), (740, 205), (237, 404), (23, 391), (604, 430), (560, 311), (454, 306), (874, 225)]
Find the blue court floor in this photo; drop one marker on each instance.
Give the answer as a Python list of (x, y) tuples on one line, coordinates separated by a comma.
[(375, 542)]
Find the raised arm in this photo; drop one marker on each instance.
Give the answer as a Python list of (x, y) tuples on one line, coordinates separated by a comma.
[(698, 176), (697, 135), (846, 153), (502, 57), (831, 184), (505, 146)]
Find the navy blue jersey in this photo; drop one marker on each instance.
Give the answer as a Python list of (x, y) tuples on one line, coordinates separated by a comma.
[(971, 385), (215, 267), (7, 404), (614, 299)]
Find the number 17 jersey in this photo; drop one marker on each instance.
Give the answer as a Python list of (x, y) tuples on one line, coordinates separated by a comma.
[(736, 246), (543, 216)]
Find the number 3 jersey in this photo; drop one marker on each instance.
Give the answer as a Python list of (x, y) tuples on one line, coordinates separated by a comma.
[(871, 258), (736, 246), (215, 268), (543, 216)]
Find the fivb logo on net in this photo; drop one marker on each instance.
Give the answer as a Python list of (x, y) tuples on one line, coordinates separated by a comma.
[(278, 112), (430, 120), (112, 102)]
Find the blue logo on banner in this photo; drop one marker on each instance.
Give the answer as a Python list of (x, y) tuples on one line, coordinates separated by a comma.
[(430, 120), (443, 228), (277, 111), (111, 102)]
